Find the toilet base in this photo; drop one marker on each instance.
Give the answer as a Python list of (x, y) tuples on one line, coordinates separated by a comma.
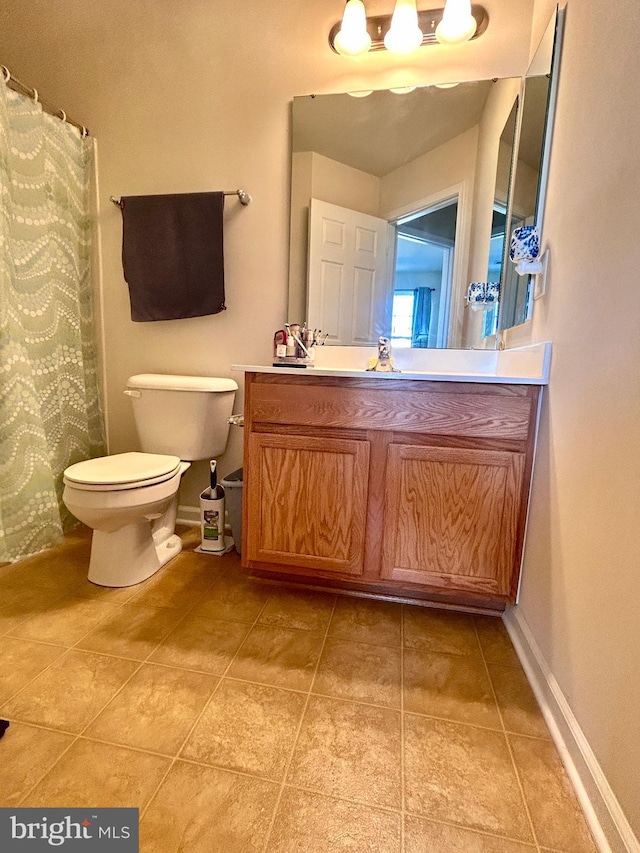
[(130, 555)]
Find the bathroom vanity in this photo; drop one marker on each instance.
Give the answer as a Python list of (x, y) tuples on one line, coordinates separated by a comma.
[(412, 485)]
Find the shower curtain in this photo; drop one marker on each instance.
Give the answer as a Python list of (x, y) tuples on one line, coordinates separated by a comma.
[(50, 411)]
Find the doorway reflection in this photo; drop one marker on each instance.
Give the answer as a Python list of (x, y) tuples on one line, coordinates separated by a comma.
[(423, 276)]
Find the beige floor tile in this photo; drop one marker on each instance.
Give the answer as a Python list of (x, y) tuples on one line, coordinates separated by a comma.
[(350, 751), (520, 711), (110, 594), (426, 836), (207, 645), (155, 710), (312, 823), (365, 621), (556, 815), (131, 632), (301, 609), (495, 641), (206, 810), (59, 568), (22, 660), (172, 589), (282, 657), (66, 621), (205, 566), (22, 603), (463, 775), (360, 671), (237, 601), (26, 754), (100, 775), (248, 728), (71, 691), (455, 687), (431, 630)]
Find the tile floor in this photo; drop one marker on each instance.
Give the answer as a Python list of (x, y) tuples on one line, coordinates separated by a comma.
[(241, 716)]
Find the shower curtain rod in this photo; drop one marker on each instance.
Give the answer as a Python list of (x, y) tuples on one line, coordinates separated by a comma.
[(17, 86), (244, 197)]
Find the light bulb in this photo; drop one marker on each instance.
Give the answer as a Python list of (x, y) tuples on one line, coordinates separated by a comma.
[(363, 93), (457, 24), (353, 39), (403, 90), (404, 35)]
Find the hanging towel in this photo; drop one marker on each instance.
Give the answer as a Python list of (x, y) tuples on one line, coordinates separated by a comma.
[(172, 255)]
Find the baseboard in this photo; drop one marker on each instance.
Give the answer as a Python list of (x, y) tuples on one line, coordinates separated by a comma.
[(189, 515), (607, 821)]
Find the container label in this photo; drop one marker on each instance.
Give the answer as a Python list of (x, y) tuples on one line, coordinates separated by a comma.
[(211, 526)]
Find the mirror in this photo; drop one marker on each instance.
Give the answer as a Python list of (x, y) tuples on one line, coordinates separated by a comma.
[(399, 200), (531, 166), (391, 207)]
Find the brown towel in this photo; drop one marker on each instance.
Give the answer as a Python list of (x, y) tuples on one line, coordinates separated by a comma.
[(172, 255)]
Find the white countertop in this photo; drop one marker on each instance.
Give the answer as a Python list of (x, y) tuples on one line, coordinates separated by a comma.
[(527, 365)]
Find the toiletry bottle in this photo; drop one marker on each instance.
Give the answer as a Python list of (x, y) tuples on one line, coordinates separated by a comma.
[(290, 349), (280, 344)]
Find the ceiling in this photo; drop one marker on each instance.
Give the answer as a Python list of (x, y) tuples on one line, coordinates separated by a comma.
[(383, 131)]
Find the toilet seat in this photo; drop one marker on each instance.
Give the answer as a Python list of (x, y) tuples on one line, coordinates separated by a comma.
[(121, 471)]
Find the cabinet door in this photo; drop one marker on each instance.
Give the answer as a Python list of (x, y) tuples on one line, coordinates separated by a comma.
[(451, 517), (307, 501)]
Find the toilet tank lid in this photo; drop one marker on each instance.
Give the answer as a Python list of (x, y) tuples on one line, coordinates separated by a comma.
[(166, 382)]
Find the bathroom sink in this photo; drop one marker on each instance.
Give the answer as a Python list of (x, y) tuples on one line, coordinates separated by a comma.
[(519, 365)]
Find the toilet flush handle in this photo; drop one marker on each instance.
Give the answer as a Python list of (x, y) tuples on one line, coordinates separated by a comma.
[(132, 393)]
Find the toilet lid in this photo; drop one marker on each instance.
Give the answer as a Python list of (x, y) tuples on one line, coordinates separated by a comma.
[(122, 470)]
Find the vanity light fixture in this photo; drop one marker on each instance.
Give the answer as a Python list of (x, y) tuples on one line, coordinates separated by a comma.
[(404, 35), (399, 33), (458, 24), (352, 38)]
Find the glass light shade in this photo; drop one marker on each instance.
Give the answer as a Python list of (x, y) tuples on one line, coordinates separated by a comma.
[(404, 35), (353, 39), (457, 24)]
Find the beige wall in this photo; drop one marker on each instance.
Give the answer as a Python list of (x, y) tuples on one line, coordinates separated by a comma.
[(195, 96), (581, 581)]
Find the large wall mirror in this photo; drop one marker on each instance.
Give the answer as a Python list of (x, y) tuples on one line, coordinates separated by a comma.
[(399, 199), (530, 168)]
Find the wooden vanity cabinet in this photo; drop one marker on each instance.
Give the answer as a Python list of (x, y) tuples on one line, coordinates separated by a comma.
[(412, 489)]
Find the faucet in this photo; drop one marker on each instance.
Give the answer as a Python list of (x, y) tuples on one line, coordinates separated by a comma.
[(384, 362)]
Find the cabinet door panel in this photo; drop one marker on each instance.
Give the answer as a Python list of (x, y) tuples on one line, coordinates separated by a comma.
[(307, 501), (451, 517)]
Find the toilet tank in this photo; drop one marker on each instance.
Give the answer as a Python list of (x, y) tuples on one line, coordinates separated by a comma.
[(184, 416)]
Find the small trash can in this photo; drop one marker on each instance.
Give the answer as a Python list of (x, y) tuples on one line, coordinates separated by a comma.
[(232, 485)]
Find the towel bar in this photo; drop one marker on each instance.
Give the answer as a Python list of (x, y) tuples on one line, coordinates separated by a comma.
[(244, 197)]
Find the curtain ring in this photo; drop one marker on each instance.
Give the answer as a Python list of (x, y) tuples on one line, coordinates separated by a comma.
[(63, 115), (35, 95), (6, 73)]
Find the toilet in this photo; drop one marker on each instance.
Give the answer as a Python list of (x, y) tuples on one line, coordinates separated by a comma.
[(130, 500)]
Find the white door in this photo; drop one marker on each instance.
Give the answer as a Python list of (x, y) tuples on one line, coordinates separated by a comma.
[(349, 291)]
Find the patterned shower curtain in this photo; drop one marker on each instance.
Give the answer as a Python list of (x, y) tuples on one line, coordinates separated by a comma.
[(49, 405)]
